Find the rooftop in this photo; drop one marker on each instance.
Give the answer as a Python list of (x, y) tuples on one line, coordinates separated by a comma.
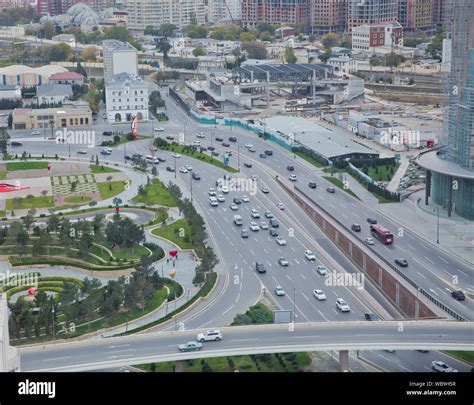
[(430, 160), (124, 79), (54, 90), (66, 76)]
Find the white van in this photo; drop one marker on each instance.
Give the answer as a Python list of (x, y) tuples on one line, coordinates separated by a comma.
[(213, 202), (238, 220), (149, 158)]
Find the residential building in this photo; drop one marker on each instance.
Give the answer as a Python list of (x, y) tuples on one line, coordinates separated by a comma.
[(342, 65), (211, 64), (328, 16), (371, 12), (71, 114), (143, 13), (368, 37), (119, 57), (416, 15), (284, 32), (56, 7), (275, 12), (17, 31), (53, 94), (221, 11), (67, 78), (126, 95), (68, 39)]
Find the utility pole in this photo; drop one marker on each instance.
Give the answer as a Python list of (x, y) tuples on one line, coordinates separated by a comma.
[(191, 182), (437, 228), (294, 304), (238, 157), (54, 333), (174, 166)]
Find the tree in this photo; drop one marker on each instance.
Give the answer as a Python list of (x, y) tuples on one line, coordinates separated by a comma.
[(89, 54), (119, 32), (163, 46), (4, 142), (56, 53), (195, 31), (374, 61), (255, 50), (167, 29), (311, 38), (48, 30), (325, 56), (436, 45), (329, 40), (38, 247), (247, 37), (290, 55), (81, 70), (53, 223), (265, 27), (199, 52)]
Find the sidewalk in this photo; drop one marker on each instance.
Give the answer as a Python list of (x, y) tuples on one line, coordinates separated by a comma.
[(393, 185)]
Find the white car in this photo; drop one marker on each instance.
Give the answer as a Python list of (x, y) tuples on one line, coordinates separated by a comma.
[(225, 190), (281, 206), (197, 143), (252, 149), (263, 225), (322, 270), (254, 213), (212, 191), (200, 135), (245, 198), (35, 132), (342, 305), (292, 177), (210, 336), (183, 170), (279, 291), (254, 226), (220, 198), (319, 295), (248, 145), (265, 190), (82, 152), (176, 155), (369, 241), (234, 207), (442, 367), (159, 129), (189, 168), (280, 240), (283, 262), (309, 255), (254, 177)]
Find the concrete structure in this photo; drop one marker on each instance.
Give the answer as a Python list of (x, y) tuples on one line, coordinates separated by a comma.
[(9, 356), (68, 39), (284, 32), (54, 7), (416, 15), (371, 12), (369, 37), (211, 64), (446, 55), (10, 92), (25, 76), (54, 94), (67, 78), (126, 96), (275, 12), (119, 57), (71, 114), (143, 13), (220, 11), (12, 32), (328, 16), (342, 65)]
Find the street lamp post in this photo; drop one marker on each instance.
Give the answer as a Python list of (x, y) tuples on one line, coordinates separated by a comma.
[(54, 333), (294, 304), (191, 182), (238, 157), (212, 137), (437, 228), (174, 166)]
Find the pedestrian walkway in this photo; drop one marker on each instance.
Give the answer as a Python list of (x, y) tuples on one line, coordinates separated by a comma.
[(395, 181)]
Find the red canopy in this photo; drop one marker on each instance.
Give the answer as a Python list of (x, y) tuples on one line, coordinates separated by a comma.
[(173, 253)]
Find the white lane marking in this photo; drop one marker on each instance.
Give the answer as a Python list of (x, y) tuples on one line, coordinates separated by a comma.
[(303, 277), (266, 251), (385, 358), (228, 309), (120, 351), (433, 291), (288, 277), (467, 275), (411, 237), (293, 249), (251, 251), (114, 347), (426, 247), (421, 275), (407, 369), (303, 337), (242, 340), (297, 262), (269, 264), (412, 248), (401, 249), (428, 259), (116, 357), (443, 259), (320, 313), (305, 297)]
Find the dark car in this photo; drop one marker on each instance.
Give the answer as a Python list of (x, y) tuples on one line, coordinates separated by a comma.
[(137, 155), (203, 148), (237, 200), (355, 227), (232, 139), (170, 138), (268, 152), (160, 159), (219, 139), (331, 190), (312, 184), (260, 268), (401, 262), (458, 295), (225, 144), (263, 156), (214, 153), (128, 157), (274, 223), (169, 169), (371, 220), (107, 133), (290, 168), (247, 164), (15, 143), (273, 232), (196, 176), (371, 317), (211, 148)]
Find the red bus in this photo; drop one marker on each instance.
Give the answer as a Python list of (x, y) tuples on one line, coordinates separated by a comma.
[(382, 234)]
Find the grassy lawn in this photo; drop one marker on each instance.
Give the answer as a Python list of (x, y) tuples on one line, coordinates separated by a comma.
[(28, 203), (132, 253), (466, 356), (309, 159), (102, 169), (381, 173), (156, 193), (3, 175), (2, 213), (109, 189), (172, 233), (340, 184), (201, 156), (26, 166), (78, 199)]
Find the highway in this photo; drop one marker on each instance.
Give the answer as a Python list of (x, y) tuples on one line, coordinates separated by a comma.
[(325, 336)]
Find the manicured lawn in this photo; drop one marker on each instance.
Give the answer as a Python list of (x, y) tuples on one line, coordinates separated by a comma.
[(156, 193), (102, 169), (26, 166), (27, 203), (340, 184), (135, 252), (466, 356), (381, 173), (309, 159), (2, 213), (172, 232), (3, 175), (78, 199), (109, 189)]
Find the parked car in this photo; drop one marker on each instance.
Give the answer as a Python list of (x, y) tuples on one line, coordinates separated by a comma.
[(458, 295), (274, 223), (225, 144), (16, 143), (265, 190), (247, 164), (321, 270), (176, 155), (232, 139), (244, 233), (401, 262), (128, 157), (245, 198), (200, 135), (369, 316), (290, 168), (280, 240), (107, 133), (283, 262), (82, 152), (159, 129), (273, 232), (196, 176), (254, 226), (35, 132), (169, 169), (263, 225), (442, 367), (260, 268), (292, 177), (220, 198), (190, 347), (234, 207), (210, 336), (281, 206), (268, 152), (263, 156), (237, 200), (369, 241), (214, 153), (279, 291), (268, 214), (371, 220)]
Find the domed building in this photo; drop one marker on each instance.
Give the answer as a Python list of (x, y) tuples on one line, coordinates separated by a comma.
[(82, 14)]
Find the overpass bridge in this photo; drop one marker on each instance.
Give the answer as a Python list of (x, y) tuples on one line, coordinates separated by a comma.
[(241, 340)]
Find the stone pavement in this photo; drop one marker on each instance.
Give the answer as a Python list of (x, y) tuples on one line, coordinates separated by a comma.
[(393, 185)]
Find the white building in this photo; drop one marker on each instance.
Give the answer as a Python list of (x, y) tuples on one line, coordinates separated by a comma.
[(12, 32), (119, 57), (342, 65), (68, 39), (143, 13), (10, 92), (224, 11), (53, 93), (126, 95)]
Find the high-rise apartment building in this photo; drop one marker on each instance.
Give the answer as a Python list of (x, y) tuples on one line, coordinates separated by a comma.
[(275, 12), (416, 15), (55, 7), (119, 57), (371, 12), (328, 16), (224, 11), (143, 13)]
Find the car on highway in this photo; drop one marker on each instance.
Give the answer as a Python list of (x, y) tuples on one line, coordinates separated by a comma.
[(209, 148), (370, 316), (196, 176), (219, 139), (342, 305), (260, 268), (290, 168), (200, 135), (309, 255), (331, 190), (281, 206), (273, 232), (106, 151), (279, 291), (292, 177), (213, 335), (82, 152), (176, 155), (244, 233), (232, 139), (197, 143), (254, 213), (319, 295), (248, 145), (35, 132), (369, 241), (312, 184), (189, 168), (322, 270), (183, 170), (15, 143), (107, 133), (281, 240), (252, 149), (274, 223), (214, 153), (159, 129), (237, 200), (160, 159), (220, 198), (254, 226), (263, 225), (170, 138), (371, 220), (442, 367), (238, 220), (127, 157), (268, 214), (190, 346), (245, 198), (458, 295), (265, 190), (268, 152), (262, 155), (225, 144), (401, 262), (234, 207), (283, 262), (356, 227), (169, 169), (247, 164), (212, 191), (213, 202)]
